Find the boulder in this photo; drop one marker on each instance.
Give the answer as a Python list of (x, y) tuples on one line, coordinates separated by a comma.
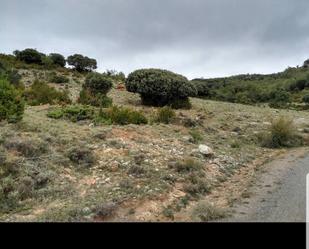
[(205, 150)]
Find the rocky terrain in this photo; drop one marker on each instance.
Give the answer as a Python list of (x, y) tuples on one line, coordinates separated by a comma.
[(155, 172)]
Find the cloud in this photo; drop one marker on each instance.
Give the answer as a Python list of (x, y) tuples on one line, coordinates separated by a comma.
[(194, 37)]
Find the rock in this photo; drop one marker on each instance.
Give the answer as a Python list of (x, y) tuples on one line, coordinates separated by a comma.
[(205, 150), (237, 129), (306, 130)]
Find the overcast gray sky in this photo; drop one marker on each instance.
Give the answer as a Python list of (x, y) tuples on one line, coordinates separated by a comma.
[(197, 38)]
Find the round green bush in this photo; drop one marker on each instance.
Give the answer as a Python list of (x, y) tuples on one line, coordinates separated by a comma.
[(11, 103), (58, 59), (98, 83), (306, 99), (160, 87)]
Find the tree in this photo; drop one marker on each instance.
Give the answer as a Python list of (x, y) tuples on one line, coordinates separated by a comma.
[(57, 59), (29, 56), (82, 63), (306, 63), (161, 87)]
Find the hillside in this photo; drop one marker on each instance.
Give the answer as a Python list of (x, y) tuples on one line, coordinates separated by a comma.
[(152, 172), (284, 89)]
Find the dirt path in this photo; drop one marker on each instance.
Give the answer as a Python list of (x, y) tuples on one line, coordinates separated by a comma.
[(279, 192)]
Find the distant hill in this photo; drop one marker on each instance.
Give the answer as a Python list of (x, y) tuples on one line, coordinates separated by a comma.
[(285, 87)]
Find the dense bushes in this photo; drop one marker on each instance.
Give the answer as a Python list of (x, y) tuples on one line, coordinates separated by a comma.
[(29, 56), (57, 59), (160, 87), (11, 102), (41, 93), (59, 79), (73, 113), (121, 116), (113, 115), (95, 89), (82, 63)]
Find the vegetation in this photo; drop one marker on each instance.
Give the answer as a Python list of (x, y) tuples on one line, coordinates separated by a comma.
[(282, 133), (29, 55), (160, 87), (73, 113), (95, 89), (165, 115), (57, 59), (41, 93), (280, 90), (207, 212), (82, 63), (11, 102)]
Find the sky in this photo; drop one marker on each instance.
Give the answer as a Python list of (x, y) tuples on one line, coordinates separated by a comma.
[(196, 38)]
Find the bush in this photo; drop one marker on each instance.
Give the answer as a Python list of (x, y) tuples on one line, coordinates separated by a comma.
[(26, 146), (11, 102), (29, 56), (306, 99), (82, 63), (186, 166), (165, 115), (160, 87), (59, 79), (14, 78), (207, 212), (121, 116), (279, 98), (95, 89), (281, 134), (82, 157), (57, 59), (196, 136), (88, 98), (41, 93), (98, 83), (73, 113)]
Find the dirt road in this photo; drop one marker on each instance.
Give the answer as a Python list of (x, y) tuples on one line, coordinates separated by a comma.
[(279, 192)]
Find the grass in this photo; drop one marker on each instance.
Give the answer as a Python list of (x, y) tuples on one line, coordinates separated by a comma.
[(207, 212)]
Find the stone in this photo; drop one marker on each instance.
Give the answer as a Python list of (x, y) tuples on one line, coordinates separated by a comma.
[(205, 150)]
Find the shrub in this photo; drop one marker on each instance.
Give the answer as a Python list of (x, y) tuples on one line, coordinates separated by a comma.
[(82, 63), (122, 116), (29, 56), (279, 98), (14, 78), (11, 102), (27, 147), (160, 87), (95, 89), (306, 99), (98, 83), (57, 59), (82, 156), (207, 212), (73, 113), (186, 166), (60, 79), (41, 93), (99, 100), (165, 115), (196, 136), (281, 134)]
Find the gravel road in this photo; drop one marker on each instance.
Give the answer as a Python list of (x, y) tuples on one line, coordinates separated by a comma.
[(279, 192)]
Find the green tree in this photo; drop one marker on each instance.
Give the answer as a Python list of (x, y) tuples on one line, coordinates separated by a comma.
[(29, 56), (57, 59), (82, 63)]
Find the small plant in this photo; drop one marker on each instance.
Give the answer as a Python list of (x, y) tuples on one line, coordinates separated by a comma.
[(82, 157), (281, 134), (207, 212), (196, 136), (59, 79), (165, 115), (187, 165), (198, 187)]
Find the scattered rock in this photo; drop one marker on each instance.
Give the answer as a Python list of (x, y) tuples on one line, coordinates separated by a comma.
[(205, 150)]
